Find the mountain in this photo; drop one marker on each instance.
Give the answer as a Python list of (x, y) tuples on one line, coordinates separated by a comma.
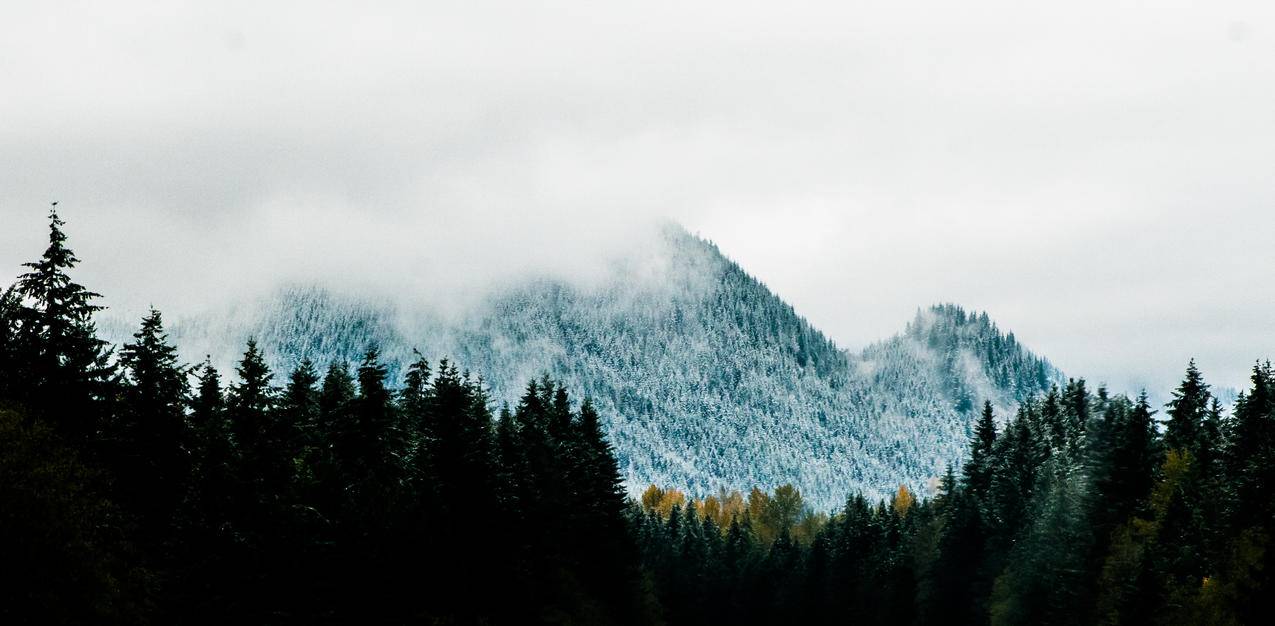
[(705, 378)]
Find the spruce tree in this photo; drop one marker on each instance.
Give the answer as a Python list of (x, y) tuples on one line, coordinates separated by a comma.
[(148, 442), (250, 402), (1045, 581), (60, 369), (11, 354), (509, 466), (212, 449), (415, 401), (334, 431), (977, 471), (1014, 478), (1251, 451), (250, 411), (1132, 459), (377, 440), (1187, 412), (606, 553), (295, 427)]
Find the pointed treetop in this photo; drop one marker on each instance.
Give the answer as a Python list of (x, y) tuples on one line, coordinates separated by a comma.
[(1187, 411)]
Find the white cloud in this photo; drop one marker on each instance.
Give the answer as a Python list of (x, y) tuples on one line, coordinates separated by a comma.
[(1095, 174)]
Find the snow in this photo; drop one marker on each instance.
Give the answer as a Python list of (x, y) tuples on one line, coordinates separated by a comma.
[(704, 377)]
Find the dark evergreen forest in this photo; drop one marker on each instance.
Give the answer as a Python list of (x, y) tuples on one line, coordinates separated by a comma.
[(136, 489)]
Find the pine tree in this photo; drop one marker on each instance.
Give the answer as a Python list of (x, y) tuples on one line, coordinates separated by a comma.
[(334, 431), (208, 403), (250, 411), (1046, 581), (1132, 462), (458, 457), (250, 402), (212, 450), (148, 443), (509, 465), (294, 427), (604, 487), (11, 353), (1075, 417), (977, 472), (60, 369), (1053, 425), (607, 554), (415, 401), (1013, 481), (959, 585), (1187, 412), (1250, 473), (1250, 455), (378, 439)]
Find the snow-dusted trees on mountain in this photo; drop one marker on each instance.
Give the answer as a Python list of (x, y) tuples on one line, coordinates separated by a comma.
[(138, 489), (700, 375), (1078, 511)]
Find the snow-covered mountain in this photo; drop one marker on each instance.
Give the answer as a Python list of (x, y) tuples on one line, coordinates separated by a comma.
[(704, 376)]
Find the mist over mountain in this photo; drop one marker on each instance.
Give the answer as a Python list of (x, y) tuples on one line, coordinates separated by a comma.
[(703, 376)]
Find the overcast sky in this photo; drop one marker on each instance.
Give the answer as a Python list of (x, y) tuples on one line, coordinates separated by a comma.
[(1099, 176)]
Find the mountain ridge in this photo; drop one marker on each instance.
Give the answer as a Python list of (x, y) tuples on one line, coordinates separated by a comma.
[(704, 377)]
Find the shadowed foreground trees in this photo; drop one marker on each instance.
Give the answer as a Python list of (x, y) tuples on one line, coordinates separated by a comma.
[(134, 489)]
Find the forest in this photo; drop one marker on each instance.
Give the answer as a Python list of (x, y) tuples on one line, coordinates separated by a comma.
[(137, 489)]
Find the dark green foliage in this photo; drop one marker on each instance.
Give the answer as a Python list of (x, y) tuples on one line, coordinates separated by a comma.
[(62, 559), (212, 456), (57, 367), (129, 498), (1187, 410), (250, 408), (148, 442), (1250, 455)]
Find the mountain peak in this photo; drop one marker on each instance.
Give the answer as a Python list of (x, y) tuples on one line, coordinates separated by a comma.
[(704, 377)]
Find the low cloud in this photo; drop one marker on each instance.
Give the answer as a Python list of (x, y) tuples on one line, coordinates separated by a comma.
[(1095, 175)]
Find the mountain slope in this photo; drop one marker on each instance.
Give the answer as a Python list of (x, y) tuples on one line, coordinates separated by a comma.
[(705, 377)]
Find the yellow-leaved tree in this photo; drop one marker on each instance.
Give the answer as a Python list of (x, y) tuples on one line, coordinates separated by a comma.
[(903, 501)]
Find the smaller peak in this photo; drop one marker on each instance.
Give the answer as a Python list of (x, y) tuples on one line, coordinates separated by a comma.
[(677, 234), (937, 318), (950, 316), (952, 311)]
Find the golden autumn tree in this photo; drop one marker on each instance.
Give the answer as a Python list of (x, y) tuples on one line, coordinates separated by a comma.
[(785, 508), (758, 505), (903, 501), (710, 508), (661, 500), (651, 498), (732, 506)]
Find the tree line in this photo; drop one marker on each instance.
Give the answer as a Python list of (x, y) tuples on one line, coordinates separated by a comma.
[(136, 489), (1082, 509)]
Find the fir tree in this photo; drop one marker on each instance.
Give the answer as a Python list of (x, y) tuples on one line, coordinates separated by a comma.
[(60, 369), (251, 400), (292, 433), (212, 450), (250, 411), (1187, 412), (377, 441), (334, 431), (977, 471), (149, 442), (1250, 455)]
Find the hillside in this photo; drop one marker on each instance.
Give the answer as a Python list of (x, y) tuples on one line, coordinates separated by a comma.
[(705, 378)]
